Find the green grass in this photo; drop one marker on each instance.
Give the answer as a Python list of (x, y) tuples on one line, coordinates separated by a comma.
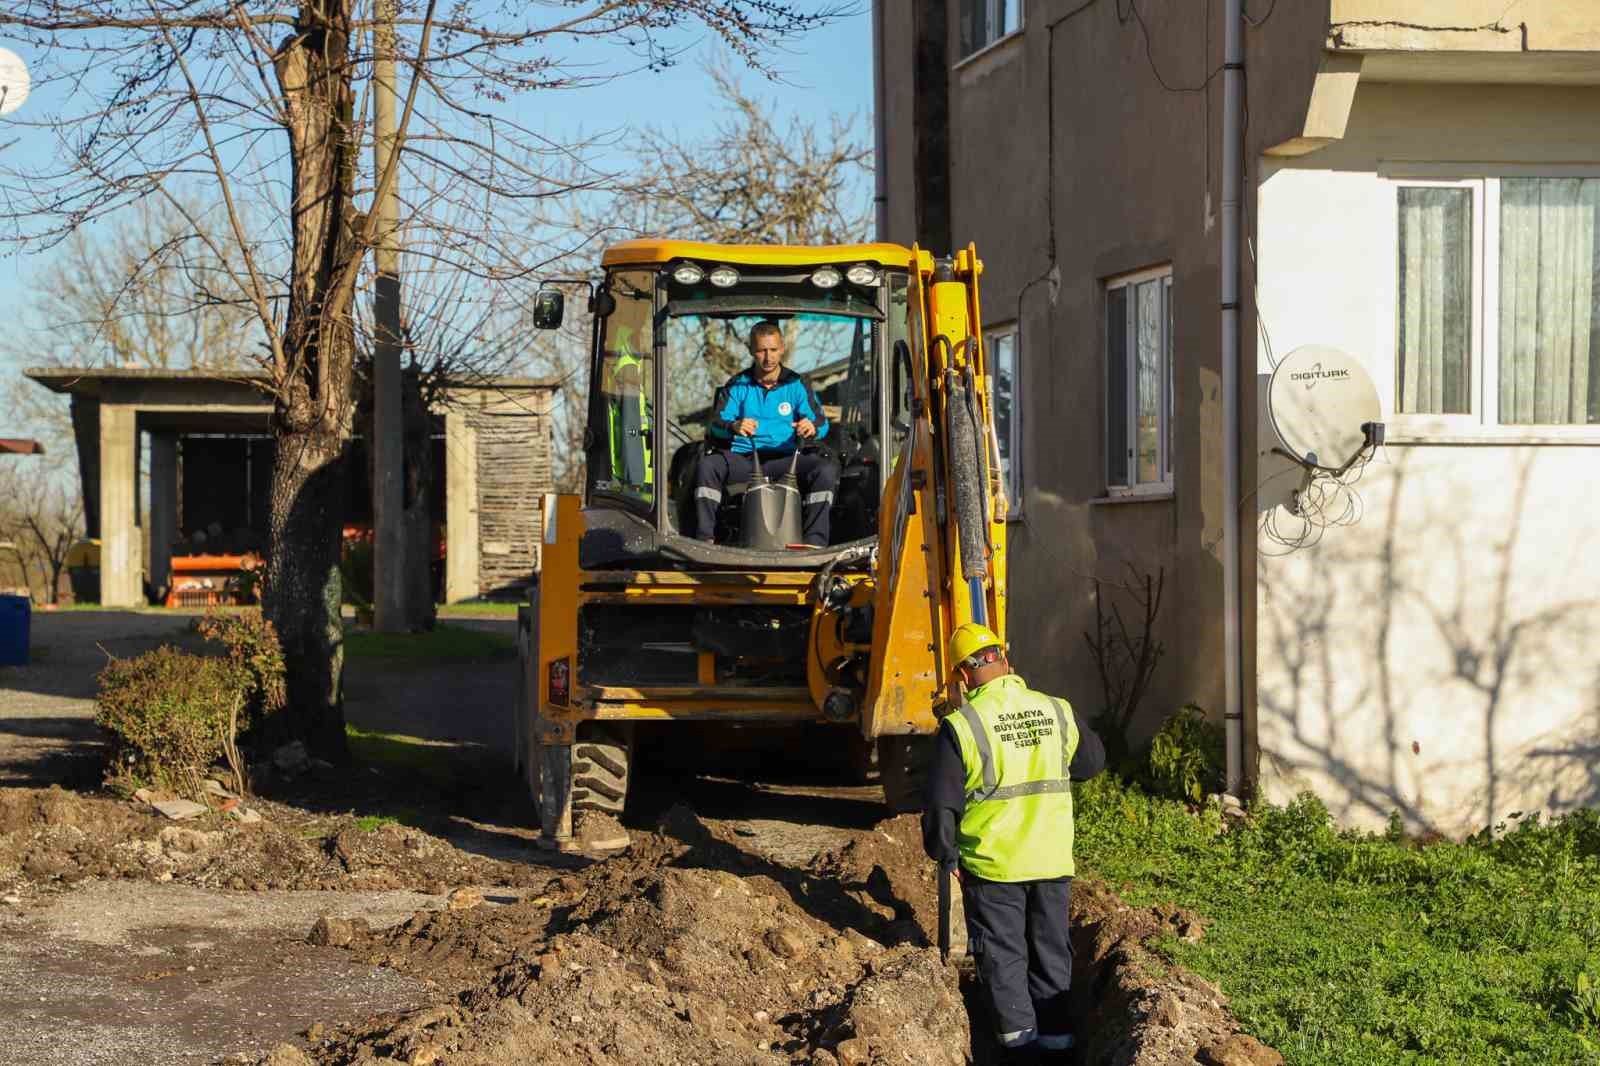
[(369, 823), (1357, 949), (480, 609), (442, 644)]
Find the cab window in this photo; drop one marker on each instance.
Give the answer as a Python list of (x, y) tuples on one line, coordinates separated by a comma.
[(622, 460)]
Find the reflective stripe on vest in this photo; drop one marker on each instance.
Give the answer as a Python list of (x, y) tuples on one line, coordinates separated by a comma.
[(1017, 819), (991, 779)]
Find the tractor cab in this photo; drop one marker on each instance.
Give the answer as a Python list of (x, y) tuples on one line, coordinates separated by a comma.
[(673, 324)]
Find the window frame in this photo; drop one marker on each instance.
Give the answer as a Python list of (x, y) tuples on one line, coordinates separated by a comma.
[(1162, 487), (1419, 422), (1014, 473), (1483, 423), (992, 10)]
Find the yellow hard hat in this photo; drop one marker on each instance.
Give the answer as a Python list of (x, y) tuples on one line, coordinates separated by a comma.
[(969, 639)]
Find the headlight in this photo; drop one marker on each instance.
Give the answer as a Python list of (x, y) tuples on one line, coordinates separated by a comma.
[(826, 278), (724, 277), (687, 274), (862, 274)]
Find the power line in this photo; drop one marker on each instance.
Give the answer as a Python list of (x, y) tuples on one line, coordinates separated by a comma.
[(1149, 54), (1258, 23)]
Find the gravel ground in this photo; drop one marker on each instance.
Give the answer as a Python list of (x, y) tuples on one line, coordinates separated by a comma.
[(124, 972)]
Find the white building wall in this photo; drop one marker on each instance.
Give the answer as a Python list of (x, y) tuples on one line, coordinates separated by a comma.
[(1438, 657)]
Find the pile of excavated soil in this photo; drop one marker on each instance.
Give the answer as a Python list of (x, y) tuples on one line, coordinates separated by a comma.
[(51, 837), (687, 948)]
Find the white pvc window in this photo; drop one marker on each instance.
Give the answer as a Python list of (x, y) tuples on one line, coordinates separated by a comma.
[(1005, 371), (983, 22), (1138, 412), (1497, 308)]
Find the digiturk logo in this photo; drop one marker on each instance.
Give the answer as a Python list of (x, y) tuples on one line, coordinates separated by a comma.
[(1316, 374)]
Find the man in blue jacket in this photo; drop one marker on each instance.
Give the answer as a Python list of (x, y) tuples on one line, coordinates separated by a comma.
[(769, 409)]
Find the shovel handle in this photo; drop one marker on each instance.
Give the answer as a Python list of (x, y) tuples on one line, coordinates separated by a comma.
[(944, 914)]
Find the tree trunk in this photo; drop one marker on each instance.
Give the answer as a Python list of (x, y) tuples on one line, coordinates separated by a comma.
[(313, 411), (420, 611)]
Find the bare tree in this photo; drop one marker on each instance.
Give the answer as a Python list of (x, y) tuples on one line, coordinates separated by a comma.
[(137, 291), (752, 181), (39, 521), (1125, 656), (261, 105)]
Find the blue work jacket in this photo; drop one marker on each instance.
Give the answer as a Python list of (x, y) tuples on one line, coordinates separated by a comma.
[(775, 410)]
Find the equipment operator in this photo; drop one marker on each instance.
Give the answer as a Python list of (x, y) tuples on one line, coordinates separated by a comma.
[(999, 813), (766, 409)]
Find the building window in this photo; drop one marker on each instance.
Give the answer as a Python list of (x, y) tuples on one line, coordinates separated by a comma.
[(1139, 382), (1498, 309), (984, 22), (1001, 345)]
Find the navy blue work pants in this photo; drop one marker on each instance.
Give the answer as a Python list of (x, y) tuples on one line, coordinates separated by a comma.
[(1018, 933), (818, 477)]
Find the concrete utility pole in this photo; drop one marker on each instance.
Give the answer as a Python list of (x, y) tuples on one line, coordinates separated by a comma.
[(388, 452)]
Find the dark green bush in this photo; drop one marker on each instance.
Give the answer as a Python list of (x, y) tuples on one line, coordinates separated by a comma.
[(171, 715), (1186, 757)]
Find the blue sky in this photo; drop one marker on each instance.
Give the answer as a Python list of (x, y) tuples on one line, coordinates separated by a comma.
[(829, 71)]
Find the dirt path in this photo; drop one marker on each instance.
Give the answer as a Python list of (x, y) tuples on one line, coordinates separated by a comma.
[(47, 733), (122, 972)]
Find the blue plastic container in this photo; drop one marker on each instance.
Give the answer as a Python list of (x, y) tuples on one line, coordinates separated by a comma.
[(15, 613)]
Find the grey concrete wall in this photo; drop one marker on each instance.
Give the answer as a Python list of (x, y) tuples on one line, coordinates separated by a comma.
[(1125, 176)]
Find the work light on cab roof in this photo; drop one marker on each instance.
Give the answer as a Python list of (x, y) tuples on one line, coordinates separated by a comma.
[(864, 274), (826, 277), (688, 274)]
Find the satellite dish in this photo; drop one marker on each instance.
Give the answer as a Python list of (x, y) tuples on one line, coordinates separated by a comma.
[(1323, 406), (13, 81)]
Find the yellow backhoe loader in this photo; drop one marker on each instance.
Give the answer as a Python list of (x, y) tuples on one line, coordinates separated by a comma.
[(640, 617)]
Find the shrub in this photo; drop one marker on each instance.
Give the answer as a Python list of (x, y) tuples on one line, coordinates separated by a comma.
[(252, 646), (1186, 756), (172, 715)]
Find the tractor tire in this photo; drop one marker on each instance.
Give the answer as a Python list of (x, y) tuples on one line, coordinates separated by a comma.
[(903, 764), (600, 765)]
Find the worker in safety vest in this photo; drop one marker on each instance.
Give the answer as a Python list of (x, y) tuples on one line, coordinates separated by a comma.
[(628, 416), (999, 812)]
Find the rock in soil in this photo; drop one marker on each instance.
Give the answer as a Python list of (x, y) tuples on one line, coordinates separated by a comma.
[(1239, 1050), (179, 809)]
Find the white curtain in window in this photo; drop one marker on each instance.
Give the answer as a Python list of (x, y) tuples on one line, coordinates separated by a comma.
[(1549, 300), (1435, 300)]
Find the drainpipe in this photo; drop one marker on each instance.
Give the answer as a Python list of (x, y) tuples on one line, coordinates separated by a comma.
[(880, 155), (1232, 184)]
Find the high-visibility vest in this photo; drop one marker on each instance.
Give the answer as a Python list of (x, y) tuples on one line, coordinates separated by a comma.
[(630, 425), (1017, 745)]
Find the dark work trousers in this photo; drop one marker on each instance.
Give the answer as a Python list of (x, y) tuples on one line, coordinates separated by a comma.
[(817, 474), (1018, 934)]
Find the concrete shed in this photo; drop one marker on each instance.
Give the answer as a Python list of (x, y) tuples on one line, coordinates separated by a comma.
[(210, 460)]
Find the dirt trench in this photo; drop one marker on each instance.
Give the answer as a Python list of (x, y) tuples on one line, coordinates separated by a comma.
[(690, 948)]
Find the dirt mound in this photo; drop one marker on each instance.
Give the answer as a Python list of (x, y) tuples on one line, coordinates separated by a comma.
[(689, 949), (885, 871), (1138, 1010), (685, 949), (51, 837)]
